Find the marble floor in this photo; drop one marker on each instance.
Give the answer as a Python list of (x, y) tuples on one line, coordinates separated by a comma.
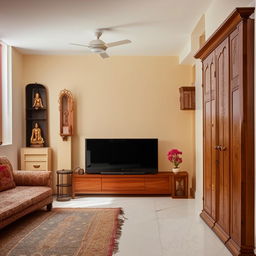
[(158, 226)]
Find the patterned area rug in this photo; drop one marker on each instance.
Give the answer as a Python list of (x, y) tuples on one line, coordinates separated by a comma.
[(64, 232)]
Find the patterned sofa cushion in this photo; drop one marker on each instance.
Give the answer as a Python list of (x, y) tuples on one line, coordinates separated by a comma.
[(17, 199), (4, 161), (6, 177)]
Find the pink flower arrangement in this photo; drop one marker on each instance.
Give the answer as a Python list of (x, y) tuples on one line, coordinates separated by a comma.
[(174, 156)]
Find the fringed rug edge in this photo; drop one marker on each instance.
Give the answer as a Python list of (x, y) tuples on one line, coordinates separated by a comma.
[(119, 222)]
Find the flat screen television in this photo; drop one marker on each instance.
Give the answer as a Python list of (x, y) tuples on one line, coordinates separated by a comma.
[(121, 156)]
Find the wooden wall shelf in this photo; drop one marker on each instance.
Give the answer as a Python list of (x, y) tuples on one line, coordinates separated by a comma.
[(187, 98), (159, 183)]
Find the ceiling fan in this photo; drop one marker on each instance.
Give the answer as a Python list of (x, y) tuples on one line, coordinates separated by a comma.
[(98, 46)]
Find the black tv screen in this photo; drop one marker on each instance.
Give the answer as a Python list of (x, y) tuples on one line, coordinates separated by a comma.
[(121, 156)]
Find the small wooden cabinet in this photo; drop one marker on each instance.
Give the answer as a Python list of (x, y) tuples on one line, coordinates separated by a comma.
[(35, 159), (187, 98), (180, 185)]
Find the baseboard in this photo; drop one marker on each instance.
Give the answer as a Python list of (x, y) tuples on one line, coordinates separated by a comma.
[(192, 192), (222, 235), (237, 251), (207, 219)]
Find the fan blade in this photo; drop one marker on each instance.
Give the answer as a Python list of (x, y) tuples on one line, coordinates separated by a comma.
[(83, 45), (118, 43), (104, 55)]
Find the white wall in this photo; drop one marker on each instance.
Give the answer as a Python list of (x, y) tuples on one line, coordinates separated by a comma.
[(199, 137), (12, 150), (254, 131), (218, 11)]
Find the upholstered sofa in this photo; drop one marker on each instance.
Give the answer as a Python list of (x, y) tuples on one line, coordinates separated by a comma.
[(29, 191)]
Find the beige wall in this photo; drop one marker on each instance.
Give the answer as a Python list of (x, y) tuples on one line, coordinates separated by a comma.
[(194, 45), (130, 97), (12, 151)]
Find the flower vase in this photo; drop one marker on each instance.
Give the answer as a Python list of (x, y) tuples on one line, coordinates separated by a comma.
[(176, 169)]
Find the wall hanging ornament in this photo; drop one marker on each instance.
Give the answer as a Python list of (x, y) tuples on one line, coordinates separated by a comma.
[(66, 103)]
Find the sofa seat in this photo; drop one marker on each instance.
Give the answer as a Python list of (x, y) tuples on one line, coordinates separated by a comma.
[(33, 191), (14, 200)]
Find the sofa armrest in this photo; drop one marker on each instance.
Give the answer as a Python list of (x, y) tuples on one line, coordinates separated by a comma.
[(32, 178)]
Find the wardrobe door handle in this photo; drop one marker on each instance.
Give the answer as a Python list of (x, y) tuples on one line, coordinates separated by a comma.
[(222, 148), (217, 147)]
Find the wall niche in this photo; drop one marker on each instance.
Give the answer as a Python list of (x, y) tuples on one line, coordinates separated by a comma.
[(66, 108), (36, 116)]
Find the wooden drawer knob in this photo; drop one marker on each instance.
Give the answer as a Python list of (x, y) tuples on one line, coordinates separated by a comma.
[(36, 165)]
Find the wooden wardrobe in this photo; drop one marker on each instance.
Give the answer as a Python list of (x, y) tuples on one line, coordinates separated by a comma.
[(228, 141)]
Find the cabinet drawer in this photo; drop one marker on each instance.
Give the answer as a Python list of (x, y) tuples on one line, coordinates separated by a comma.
[(89, 184), (158, 185), (123, 184), (39, 157), (35, 151), (36, 166)]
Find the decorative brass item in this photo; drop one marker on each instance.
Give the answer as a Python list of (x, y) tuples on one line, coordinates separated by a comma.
[(66, 113), (37, 102), (36, 139), (79, 171)]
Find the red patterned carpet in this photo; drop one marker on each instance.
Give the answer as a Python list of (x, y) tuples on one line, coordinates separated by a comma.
[(64, 231)]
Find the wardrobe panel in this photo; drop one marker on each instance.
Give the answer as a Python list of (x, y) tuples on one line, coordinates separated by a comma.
[(208, 160), (236, 114), (207, 139), (222, 71), (213, 135), (235, 198), (209, 135)]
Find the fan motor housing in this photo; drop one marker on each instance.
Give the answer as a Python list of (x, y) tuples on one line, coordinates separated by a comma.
[(97, 46), (98, 49)]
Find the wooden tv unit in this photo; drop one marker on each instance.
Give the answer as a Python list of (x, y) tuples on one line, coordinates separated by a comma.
[(159, 183)]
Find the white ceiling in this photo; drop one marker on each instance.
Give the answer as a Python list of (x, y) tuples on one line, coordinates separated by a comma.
[(155, 27)]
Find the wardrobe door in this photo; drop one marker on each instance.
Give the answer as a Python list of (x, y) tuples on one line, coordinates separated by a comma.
[(233, 46), (223, 168), (209, 105)]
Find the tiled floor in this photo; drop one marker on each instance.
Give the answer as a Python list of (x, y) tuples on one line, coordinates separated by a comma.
[(158, 226)]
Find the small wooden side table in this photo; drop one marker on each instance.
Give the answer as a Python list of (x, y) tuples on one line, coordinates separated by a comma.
[(64, 185), (180, 185)]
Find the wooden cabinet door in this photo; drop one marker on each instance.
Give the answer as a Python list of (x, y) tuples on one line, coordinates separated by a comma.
[(242, 139), (233, 47), (223, 130), (235, 60), (209, 105)]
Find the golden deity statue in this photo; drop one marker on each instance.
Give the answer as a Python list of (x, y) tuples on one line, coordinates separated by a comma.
[(37, 102), (36, 137)]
